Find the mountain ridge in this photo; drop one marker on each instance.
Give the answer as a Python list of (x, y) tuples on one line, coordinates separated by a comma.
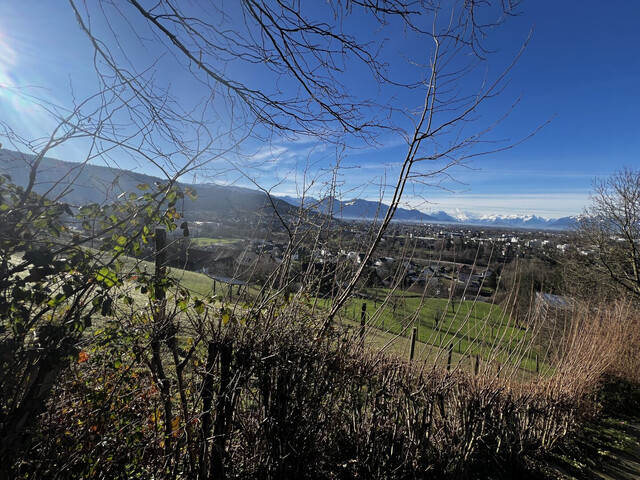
[(87, 183), (362, 210)]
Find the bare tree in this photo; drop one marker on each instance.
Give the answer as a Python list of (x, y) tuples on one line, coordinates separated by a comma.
[(258, 71), (274, 70), (611, 226)]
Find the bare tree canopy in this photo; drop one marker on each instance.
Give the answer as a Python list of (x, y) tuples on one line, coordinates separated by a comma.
[(183, 84), (612, 226), (260, 71), (290, 65)]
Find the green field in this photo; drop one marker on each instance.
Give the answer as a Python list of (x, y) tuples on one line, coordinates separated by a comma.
[(206, 241), (469, 328), (466, 328)]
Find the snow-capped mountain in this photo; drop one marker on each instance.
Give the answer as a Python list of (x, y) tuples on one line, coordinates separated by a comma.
[(461, 216), (513, 220), (368, 210), (442, 216), (358, 209)]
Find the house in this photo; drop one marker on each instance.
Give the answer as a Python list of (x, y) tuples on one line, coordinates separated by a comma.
[(246, 259), (222, 263), (194, 259), (551, 307), (384, 261)]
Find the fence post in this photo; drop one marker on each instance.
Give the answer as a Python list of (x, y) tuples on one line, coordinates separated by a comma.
[(450, 357), (159, 332), (363, 318), (161, 251), (414, 334), (477, 367)]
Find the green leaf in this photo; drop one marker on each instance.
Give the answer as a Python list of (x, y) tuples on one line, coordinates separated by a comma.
[(199, 306), (57, 300), (191, 193), (143, 186), (107, 277)]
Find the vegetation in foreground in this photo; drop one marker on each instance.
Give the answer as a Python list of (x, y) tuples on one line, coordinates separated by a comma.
[(111, 370)]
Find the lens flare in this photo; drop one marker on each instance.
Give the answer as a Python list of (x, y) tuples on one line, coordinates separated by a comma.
[(23, 87)]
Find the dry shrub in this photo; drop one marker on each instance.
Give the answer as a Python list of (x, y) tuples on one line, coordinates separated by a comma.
[(269, 398), (593, 343), (102, 422), (625, 363)]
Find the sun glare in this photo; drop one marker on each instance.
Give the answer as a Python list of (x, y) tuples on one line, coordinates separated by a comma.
[(22, 85)]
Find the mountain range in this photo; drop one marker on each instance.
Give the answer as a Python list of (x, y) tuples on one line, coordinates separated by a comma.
[(359, 209), (79, 184), (85, 183)]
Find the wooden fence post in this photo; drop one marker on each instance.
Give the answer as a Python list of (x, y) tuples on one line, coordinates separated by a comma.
[(161, 252), (363, 318), (159, 332), (414, 334), (450, 357)]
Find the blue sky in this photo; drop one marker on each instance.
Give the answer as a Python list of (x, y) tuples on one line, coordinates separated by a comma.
[(580, 71)]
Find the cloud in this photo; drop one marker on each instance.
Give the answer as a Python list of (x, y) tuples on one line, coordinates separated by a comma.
[(268, 153), (550, 205)]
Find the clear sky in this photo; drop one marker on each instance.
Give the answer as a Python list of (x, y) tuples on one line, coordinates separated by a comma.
[(580, 71)]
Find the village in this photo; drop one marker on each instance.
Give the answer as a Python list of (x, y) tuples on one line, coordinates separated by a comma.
[(437, 259)]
